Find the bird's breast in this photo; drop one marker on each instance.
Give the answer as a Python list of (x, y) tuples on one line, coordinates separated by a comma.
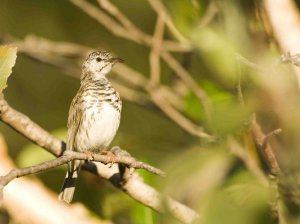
[(102, 122)]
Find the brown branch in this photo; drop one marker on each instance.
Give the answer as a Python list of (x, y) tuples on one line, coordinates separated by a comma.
[(50, 47), (28, 200), (145, 194), (154, 57), (261, 140), (103, 19), (22, 124), (284, 19), (178, 118), (237, 149), (36, 134), (68, 156)]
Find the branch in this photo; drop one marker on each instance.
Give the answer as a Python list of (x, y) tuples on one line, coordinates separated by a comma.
[(184, 75), (284, 19), (144, 193), (28, 200), (129, 31), (22, 124), (68, 156), (159, 8), (238, 150), (178, 118), (154, 57), (261, 140), (133, 31)]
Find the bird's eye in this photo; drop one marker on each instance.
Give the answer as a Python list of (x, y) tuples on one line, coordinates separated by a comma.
[(98, 59)]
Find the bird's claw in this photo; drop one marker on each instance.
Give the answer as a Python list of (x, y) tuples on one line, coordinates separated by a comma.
[(89, 155), (111, 155)]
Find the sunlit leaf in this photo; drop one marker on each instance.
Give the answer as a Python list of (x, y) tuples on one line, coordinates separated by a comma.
[(8, 55)]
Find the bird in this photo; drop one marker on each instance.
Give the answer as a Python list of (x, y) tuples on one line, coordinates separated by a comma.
[(94, 115)]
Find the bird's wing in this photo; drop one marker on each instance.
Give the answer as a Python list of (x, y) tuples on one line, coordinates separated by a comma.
[(74, 121)]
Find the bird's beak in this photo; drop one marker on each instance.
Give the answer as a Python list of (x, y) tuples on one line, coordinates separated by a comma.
[(115, 60)]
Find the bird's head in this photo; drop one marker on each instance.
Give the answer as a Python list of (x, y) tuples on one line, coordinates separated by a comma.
[(99, 63)]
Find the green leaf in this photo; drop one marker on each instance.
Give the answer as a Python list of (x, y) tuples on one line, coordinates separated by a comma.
[(8, 55)]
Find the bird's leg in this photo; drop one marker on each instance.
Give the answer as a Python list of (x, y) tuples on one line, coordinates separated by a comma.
[(110, 154)]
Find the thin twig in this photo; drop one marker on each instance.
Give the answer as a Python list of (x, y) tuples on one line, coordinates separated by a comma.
[(210, 14), (293, 59), (185, 123), (135, 35), (159, 8), (262, 141), (188, 80), (238, 150), (103, 19), (127, 24), (66, 49), (239, 85), (251, 64), (154, 57)]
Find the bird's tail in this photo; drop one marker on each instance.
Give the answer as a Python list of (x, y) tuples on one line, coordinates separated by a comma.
[(68, 188)]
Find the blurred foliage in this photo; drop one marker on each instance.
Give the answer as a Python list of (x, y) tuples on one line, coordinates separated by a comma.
[(186, 14), (31, 154), (209, 177), (242, 200)]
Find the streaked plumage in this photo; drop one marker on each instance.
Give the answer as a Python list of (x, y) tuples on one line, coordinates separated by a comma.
[(94, 115)]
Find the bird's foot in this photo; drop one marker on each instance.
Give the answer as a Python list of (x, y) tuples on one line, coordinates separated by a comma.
[(89, 155), (111, 155)]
